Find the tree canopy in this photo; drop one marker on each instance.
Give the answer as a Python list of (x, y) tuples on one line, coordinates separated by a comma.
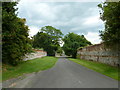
[(15, 41), (72, 42), (48, 39), (110, 14)]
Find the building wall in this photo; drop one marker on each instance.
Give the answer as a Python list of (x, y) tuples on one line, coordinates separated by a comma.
[(99, 53), (36, 54)]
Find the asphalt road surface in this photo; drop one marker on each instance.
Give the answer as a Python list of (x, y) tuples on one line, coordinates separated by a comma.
[(67, 74)]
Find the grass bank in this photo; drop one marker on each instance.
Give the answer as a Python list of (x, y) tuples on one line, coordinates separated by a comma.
[(99, 67), (26, 67)]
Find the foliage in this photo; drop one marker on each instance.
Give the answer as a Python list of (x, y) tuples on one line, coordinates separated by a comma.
[(73, 42), (56, 34), (110, 14), (28, 67), (15, 41), (48, 39), (100, 67), (60, 50), (0, 32)]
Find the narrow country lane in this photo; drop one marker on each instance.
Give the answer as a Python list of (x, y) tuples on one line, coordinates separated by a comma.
[(67, 74)]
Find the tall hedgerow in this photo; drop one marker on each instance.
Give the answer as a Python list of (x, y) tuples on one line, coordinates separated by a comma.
[(15, 41)]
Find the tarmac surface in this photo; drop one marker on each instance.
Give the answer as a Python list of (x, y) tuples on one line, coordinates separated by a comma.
[(67, 74)]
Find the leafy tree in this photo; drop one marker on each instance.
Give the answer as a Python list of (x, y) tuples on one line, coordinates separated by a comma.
[(60, 50), (48, 39), (110, 14), (55, 33), (15, 41), (72, 42), (0, 33)]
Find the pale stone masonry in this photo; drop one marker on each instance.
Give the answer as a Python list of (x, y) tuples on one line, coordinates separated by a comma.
[(36, 54), (99, 53)]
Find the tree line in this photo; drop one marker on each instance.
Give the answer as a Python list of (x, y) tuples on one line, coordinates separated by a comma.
[(49, 39), (16, 43)]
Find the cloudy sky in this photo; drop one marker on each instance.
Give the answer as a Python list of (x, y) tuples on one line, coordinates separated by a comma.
[(78, 17)]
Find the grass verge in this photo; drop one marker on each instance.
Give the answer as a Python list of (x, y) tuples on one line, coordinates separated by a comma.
[(26, 67), (99, 67)]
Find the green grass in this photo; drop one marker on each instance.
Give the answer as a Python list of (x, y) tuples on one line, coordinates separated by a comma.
[(99, 67), (26, 67)]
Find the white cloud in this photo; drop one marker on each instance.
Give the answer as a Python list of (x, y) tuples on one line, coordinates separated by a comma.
[(93, 37), (92, 21), (68, 17), (33, 30), (64, 0)]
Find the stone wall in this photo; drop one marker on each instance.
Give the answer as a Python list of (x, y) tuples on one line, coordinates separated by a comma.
[(99, 53), (36, 54)]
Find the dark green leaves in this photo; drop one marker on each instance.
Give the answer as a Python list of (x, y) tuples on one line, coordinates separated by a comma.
[(73, 42), (15, 41), (110, 14), (48, 39)]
